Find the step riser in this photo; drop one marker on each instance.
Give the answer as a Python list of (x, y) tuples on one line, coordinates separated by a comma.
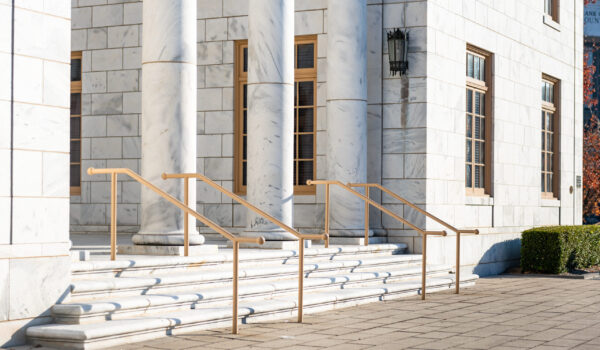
[(198, 267), (226, 322), (226, 299), (76, 296)]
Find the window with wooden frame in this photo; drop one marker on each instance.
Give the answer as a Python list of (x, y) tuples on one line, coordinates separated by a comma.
[(551, 9), (478, 123), (550, 138), (305, 114), (75, 148)]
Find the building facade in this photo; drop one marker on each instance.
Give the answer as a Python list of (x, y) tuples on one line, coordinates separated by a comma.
[(484, 131), (480, 75)]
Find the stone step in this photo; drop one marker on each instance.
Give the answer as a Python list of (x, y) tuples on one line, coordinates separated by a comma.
[(82, 290), (117, 332), (146, 265), (115, 308)]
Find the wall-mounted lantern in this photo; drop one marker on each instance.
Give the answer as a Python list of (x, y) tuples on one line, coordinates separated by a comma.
[(398, 50)]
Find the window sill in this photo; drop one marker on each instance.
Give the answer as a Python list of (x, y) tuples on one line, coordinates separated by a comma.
[(550, 202), (479, 200), (551, 23)]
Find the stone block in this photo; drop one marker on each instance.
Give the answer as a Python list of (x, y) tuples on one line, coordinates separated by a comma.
[(206, 194), (55, 170), (200, 116), (123, 80), (79, 39), (132, 13), (404, 140), (103, 60), (210, 99), (227, 99), (27, 173), (56, 76), (130, 192), (100, 192), (218, 122), (221, 214), (393, 166), (132, 58), (97, 38), (93, 126), (219, 76), (209, 145), (28, 87), (123, 36), (237, 28), (127, 214), (210, 8), (81, 17), (210, 53), (132, 147), (39, 220), (303, 5), (107, 103), (228, 51), (227, 146), (4, 289), (233, 8), (216, 29), (132, 102), (219, 168), (109, 15), (41, 128), (122, 125), (93, 82), (88, 214), (308, 22), (414, 166), (106, 147)]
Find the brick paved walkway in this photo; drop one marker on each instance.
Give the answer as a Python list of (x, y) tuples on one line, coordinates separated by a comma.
[(499, 313)]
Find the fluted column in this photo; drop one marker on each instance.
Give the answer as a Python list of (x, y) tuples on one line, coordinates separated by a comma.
[(270, 115), (347, 111), (168, 117)]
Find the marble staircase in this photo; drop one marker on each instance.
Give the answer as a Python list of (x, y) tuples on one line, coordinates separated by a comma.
[(140, 298)]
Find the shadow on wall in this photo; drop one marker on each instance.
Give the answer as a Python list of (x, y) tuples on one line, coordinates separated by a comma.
[(499, 257), (19, 338)]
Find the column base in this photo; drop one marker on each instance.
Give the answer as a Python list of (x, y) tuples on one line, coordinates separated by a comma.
[(167, 250), (166, 239)]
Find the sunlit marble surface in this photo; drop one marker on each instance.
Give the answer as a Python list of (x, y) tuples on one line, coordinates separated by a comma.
[(168, 117), (347, 111), (270, 115)]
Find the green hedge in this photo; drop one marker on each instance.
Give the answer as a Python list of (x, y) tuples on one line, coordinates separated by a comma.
[(557, 249)]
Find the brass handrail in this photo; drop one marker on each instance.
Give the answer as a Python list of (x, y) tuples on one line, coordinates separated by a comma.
[(301, 236), (368, 200), (431, 216), (113, 225)]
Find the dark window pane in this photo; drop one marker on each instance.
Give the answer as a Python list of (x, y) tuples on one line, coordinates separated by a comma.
[(550, 93), (478, 103), (305, 172), (244, 173), (306, 119), (469, 101), (549, 182), (305, 93), (245, 147), (543, 91), (478, 152), (296, 120), (296, 94), (482, 107), (245, 100), (482, 70), (76, 104), (543, 183), (543, 161), (245, 122), (478, 134), (543, 120), (549, 142), (478, 177), (75, 175), (306, 56), (470, 65), (544, 141), (549, 124), (75, 128), (76, 69), (469, 175), (469, 151), (476, 68), (295, 176), (469, 126), (75, 151), (305, 147), (245, 59), (549, 166)]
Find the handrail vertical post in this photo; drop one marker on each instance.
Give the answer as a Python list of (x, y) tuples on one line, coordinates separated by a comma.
[(327, 215), (186, 236), (236, 249), (300, 279), (457, 282), (424, 267), (366, 216), (113, 216)]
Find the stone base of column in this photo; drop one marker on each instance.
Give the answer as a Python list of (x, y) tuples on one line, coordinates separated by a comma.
[(166, 239), (337, 232), (167, 250)]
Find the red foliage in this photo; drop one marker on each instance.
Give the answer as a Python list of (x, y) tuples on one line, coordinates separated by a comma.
[(591, 140)]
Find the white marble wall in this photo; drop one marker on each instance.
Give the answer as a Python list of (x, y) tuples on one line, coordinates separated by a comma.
[(36, 254)]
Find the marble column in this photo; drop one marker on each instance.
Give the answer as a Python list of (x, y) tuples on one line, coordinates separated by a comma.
[(168, 117), (270, 115), (347, 111)]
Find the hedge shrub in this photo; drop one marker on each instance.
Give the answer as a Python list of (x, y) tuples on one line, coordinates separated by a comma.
[(557, 249)]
